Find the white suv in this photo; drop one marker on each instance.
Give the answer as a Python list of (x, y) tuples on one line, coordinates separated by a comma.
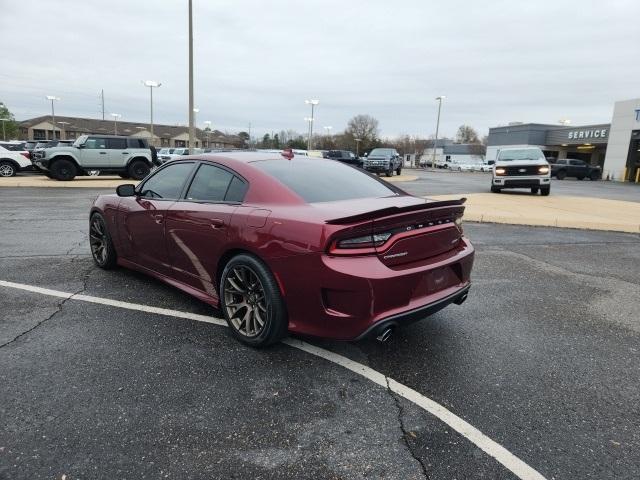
[(523, 167), (13, 162)]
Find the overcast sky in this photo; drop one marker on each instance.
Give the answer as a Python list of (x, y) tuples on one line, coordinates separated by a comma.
[(257, 61)]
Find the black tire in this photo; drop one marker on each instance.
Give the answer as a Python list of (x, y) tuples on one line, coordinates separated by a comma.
[(580, 178), (545, 191), (102, 249), (7, 168), (561, 175), (233, 291), (594, 176), (399, 171), (124, 175), (534, 190), (389, 173), (495, 189), (138, 169), (63, 170)]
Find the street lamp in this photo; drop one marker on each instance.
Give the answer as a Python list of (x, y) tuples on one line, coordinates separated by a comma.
[(115, 116), (328, 130), (313, 103), (151, 84), (435, 143), (309, 120), (63, 129), (357, 140), (53, 98)]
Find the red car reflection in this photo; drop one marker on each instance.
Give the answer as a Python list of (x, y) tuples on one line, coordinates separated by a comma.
[(310, 246)]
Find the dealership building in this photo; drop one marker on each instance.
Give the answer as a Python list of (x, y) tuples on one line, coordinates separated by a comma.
[(614, 146)]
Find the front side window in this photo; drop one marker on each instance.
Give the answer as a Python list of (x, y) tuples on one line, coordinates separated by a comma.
[(167, 183), (95, 143), (210, 184)]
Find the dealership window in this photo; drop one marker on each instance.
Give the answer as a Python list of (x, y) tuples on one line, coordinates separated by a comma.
[(180, 143), (39, 135)]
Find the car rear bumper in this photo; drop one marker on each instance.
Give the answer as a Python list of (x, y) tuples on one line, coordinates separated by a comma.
[(347, 298)]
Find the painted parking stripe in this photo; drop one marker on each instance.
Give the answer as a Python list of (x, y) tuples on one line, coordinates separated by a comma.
[(492, 448)]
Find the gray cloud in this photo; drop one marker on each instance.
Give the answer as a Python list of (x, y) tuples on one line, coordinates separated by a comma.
[(257, 61)]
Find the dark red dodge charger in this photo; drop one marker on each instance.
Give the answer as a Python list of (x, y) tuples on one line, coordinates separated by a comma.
[(311, 246)]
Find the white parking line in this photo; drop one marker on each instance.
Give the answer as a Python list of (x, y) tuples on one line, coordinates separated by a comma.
[(495, 450)]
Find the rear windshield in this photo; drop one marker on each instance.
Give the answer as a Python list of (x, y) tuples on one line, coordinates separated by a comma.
[(323, 180), (521, 154)]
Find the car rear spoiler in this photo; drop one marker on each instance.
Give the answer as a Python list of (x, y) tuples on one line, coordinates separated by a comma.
[(385, 212)]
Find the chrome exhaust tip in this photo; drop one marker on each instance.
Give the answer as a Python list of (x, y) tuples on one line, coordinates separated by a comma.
[(385, 335), (461, 299)]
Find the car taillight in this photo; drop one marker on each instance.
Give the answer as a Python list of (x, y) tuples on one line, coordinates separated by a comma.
[(25, 154), (365, 241)]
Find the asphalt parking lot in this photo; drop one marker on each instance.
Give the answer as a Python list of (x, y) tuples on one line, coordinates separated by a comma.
[(543, 359)]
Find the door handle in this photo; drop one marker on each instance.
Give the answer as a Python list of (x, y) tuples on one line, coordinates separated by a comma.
[(103, 153), (217, 223), (125, 153), (158, 218)]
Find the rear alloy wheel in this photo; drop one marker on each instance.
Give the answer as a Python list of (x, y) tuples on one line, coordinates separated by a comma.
[(561, 175), (138, 169), (64, 170), (102, 249), (534, 190), (251, 302), (7, 169), (545, 191)]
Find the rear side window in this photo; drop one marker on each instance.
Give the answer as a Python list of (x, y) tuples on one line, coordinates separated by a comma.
[(167, 183), (236, 191), (117, 143), (324, 181), (210, 184), (137, 143)]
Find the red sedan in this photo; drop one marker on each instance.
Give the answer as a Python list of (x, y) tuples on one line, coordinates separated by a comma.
[(310, 246)]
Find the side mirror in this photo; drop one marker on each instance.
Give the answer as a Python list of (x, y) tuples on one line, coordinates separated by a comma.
[(126, 190)]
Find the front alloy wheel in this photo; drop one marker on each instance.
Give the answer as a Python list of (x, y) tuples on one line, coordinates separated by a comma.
[(7, 169), (102, 249), (251, 302)]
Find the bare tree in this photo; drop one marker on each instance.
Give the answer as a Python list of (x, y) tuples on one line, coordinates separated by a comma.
[(365, 128), (467, 134)]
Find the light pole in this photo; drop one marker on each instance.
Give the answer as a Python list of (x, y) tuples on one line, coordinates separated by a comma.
[(115, 116), (192, 128), (53, 98), (63, 129), (313, 103), (435, 143), (195, 125), (4, 133), (357, 140), (208, 131), (151, 84), (309, 120)]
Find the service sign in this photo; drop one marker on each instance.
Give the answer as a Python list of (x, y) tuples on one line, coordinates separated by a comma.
[(587, 134)]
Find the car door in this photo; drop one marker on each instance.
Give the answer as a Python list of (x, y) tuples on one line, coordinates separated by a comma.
[(117, 152), (198, 226), (94, 153), (142, 217)]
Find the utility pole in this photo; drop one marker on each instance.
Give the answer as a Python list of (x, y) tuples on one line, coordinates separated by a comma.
[(151, 84), (313, 103), (53, 114), (192, 129), (435, 143)]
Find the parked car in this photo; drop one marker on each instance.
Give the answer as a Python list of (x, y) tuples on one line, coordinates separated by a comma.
[(523, 167), (177, 153), (128, 157), (568, 167), (345, 156), (241, 230), (14, 145), (318, 153), (383, 160), (483, 166), (12, 162), (464, 165)]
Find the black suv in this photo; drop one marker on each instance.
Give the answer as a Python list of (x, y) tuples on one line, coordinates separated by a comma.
[(344, 156), (569, 167)]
